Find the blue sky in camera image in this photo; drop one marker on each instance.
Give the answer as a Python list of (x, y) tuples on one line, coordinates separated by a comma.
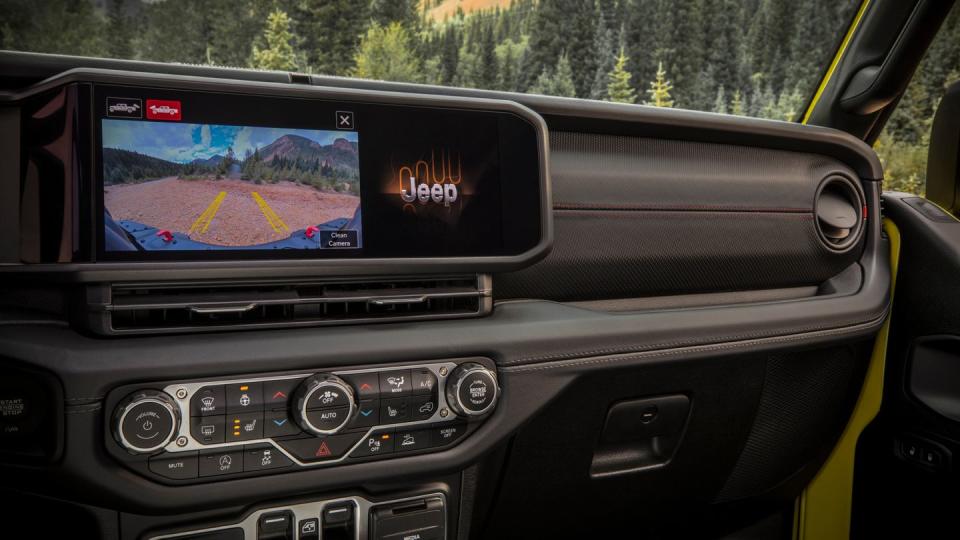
[(183, 143)]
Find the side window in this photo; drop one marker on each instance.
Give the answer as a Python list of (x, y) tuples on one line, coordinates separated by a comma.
[(904, 141)]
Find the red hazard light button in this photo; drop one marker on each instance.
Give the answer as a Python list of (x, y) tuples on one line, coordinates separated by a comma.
[(320, 448)]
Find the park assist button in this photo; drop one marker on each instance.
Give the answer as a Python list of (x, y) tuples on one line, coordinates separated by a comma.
[(179, 466), (377, 444)]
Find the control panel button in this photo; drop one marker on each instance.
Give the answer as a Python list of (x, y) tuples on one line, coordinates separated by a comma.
[(217, 462), (325, 399), (472, 389), (327, 419), (366, 385), (242, 397), (328, 398), (338, 513), (395, 383), (309, 529), (277, 394), (407, 441), (424, 381), (376, 444), (208, 401), (320, 448), (207, 429), (368, 414), (146, 421), (275, 526), (261, 457), (244, 427), (279, 424), (179, 466), (394, 411), (422, 407), (448, 434)]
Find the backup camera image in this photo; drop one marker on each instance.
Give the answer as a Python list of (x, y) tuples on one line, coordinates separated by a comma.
[(177, 186)]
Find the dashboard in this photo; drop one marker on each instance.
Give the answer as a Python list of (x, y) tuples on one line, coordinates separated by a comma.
[(248, 305)]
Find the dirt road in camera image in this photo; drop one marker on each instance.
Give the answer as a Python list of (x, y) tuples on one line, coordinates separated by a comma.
[(227, 212)]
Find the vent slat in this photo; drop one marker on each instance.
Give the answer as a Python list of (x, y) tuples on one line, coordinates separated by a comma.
[(152, 308)]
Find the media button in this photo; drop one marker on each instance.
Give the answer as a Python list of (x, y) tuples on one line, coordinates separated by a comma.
[(207, 429), (178, 466), (208, 401), (242, 397)]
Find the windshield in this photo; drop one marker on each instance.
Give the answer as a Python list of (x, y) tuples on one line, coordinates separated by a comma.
[(761, 58)]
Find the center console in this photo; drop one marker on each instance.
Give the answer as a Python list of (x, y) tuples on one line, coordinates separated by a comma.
[(212, 430), (187, 224)]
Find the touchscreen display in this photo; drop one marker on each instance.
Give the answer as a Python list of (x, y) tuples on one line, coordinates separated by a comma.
[(184, 186)]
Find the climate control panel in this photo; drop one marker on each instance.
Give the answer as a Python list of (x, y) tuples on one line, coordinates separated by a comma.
[(202, 430)]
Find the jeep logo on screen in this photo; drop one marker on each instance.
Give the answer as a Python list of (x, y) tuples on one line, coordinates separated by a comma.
[(435, 181), (124, 107)]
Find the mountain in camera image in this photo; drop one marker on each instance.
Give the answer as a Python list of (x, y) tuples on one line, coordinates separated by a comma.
[(211, 161), (123, 166), (342, 153)]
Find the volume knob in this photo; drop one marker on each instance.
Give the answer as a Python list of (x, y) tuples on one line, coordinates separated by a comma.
[(472, 390), (146, 421), (323, 404)]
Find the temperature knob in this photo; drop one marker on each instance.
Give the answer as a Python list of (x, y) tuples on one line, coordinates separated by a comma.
[(472, 390), (323, 404), (146, 421)]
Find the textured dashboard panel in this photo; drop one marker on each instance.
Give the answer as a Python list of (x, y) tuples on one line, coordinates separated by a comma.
[(656, 217)]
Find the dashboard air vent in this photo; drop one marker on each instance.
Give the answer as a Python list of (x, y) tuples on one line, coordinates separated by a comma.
[(195, 307), (839, 209)]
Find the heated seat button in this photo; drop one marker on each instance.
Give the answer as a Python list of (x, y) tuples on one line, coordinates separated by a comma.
[(243, 397), (376, 444), (244, 427), (408, 441), (448, 434), (207, 429), (179, 466), (278, 424), (276, 394), (394, 411), (261, 457), (207, 401), (217, 462), (327, 419), (320, 448), (395, 383)]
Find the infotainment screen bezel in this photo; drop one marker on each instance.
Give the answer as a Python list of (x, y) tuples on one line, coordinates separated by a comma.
[(96, 263)]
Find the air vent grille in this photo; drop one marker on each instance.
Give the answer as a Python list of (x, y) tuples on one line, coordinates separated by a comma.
[(191, 307)]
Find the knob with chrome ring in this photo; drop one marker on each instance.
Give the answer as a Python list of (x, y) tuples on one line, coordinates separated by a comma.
[(323, 404), (472, 390), (146, 421)]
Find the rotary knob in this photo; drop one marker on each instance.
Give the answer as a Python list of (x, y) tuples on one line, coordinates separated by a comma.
[(323, 404), (472, 390), (146, 421)]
